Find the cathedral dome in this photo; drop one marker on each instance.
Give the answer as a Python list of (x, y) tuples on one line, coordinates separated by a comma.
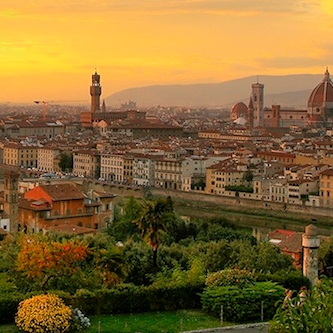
[(239, 110), (323, 92), (320, 103)]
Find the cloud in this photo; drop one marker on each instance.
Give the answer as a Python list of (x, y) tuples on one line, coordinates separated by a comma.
[(239, 7)]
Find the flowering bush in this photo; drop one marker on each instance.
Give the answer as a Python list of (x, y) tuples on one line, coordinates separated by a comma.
[(230, 277), (43, 313), (79, 321)]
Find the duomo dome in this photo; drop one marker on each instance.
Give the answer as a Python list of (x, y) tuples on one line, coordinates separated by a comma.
[(238, 110), (320, 103)]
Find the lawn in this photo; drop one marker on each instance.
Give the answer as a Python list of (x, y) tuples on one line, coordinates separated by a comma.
[(152, 322)]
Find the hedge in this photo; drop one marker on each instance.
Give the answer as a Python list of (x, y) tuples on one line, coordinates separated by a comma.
[(293, 280), (243, 304), (134, 299), (8, 306)]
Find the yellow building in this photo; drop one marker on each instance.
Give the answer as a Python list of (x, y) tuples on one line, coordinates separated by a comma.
[(21, 155), (223, 174), (326, 188), (86, 163)]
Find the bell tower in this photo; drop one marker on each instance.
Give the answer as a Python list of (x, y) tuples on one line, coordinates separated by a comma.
[(95, 92), (11, 198), (258, 104)]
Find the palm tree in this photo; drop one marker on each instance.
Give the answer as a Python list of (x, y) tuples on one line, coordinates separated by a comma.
[(152, 222)]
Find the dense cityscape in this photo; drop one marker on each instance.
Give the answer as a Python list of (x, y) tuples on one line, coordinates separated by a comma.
[(65, 170)]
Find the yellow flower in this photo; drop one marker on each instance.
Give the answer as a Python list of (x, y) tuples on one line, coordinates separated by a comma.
[(43, 313)]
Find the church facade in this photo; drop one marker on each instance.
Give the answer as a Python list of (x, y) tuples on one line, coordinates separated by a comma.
[(319, 110)]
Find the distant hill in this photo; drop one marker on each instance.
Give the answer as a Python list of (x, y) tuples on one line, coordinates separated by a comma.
[(288, 91)]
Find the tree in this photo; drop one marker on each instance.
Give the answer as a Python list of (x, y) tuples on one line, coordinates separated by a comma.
[(66, 161), (123, 226), (152, 222), (248, 176), (41, 260), (325, 253)]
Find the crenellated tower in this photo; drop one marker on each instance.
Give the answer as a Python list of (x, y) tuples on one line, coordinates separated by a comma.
[(95, 92)]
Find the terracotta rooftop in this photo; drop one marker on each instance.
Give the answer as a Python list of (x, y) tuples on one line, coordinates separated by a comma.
[(286, 240), (71, 229), (60, 192)]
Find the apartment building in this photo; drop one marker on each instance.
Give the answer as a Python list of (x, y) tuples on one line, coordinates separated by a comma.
[(86, 163), (128, 169), (63, 207), (112, 167), (326, 188), (18, 154), (223, 174), (193, 172), (48, 159), (144, 169), (168, 173), (299, 190), (29, 128)]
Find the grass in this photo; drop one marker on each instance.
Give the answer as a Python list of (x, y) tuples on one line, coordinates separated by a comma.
[(151, 322)]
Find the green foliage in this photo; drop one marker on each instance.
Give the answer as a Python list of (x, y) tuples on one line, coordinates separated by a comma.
[(264, 257), (292, 280), (139, 266), (8, 306), (127, 298), (243, 304), (177, 276), (66, 161), (248, 176), (230, 277), (325, 253), (239, 188), (9, 249), (215, 229), (308, 311), (217, 255), (153, 222)]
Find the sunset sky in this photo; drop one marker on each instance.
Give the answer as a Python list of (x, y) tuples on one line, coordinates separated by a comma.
[(50, 49)]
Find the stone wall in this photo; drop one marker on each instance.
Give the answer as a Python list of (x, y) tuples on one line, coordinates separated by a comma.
[(243, 201)]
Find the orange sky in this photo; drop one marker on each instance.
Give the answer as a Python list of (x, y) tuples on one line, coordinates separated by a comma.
[(50, 50)]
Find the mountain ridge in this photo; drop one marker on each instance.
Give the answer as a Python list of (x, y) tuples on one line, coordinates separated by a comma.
[(287, 91)]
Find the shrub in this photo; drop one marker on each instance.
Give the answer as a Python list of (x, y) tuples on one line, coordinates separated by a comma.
[(43, 313), (79, 321), (293, 280), (8, 306), (127, 298), (230, 277), (243, 304)]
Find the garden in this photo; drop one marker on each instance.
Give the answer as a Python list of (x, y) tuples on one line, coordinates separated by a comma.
[(149, 261)]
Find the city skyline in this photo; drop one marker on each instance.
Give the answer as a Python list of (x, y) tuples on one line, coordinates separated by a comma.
[(50, 50)]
